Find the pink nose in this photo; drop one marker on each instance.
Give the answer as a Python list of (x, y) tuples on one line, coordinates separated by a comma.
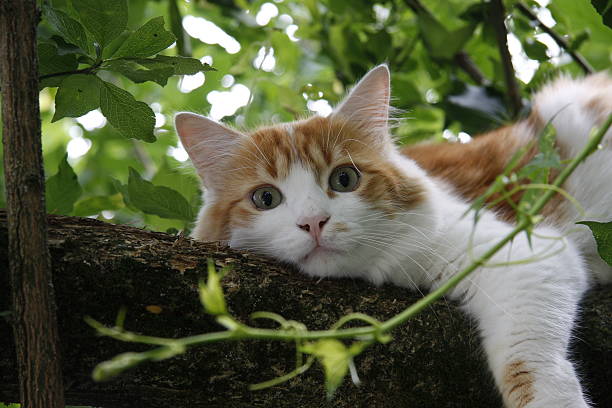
[(313, 225)]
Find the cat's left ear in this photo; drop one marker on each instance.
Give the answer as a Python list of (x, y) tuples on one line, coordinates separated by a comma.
[(208, 144), (368, 102)]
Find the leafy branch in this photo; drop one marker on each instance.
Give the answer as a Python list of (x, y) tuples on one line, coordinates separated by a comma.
[(561, 42), (322, 345), (89, 70), (95, 35)]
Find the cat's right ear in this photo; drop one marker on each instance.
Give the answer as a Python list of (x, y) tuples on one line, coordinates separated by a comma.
[(208, 144), (367, 105)]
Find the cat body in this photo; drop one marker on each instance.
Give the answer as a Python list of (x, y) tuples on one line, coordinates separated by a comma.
[(337, 198), (574, 107)]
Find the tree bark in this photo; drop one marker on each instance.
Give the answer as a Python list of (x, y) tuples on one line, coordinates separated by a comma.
[(33, 308), (433, 361)]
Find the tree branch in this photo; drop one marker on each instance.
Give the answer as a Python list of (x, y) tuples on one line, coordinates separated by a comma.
[(87, 70), (463, 60), (579, 59), (497, 19), (100, 267), (34, 320)]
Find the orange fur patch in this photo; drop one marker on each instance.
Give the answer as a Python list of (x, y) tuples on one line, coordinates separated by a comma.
[(518, 384), (471, 168)]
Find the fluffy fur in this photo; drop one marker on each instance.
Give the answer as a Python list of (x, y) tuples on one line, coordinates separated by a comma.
[(404, 222)]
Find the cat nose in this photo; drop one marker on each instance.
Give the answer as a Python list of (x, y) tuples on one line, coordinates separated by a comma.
[(313, 225)]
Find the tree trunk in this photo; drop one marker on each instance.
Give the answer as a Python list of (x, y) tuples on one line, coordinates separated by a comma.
[(33, 308), (433, 361)]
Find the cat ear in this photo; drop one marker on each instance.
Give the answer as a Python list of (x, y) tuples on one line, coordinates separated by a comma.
[(208, 144), (368, 102)]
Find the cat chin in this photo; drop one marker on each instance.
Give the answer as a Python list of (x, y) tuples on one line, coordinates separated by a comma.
[(325, 263)]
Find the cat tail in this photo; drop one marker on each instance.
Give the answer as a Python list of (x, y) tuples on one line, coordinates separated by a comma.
[(574, 106)]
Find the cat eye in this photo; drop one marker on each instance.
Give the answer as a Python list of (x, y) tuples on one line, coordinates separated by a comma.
[(344, 179), (266, 198)]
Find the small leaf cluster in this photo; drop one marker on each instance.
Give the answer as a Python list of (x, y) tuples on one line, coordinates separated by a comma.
[(91, 37), (63, 193)]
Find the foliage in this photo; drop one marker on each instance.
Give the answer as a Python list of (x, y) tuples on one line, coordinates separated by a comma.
[(126, 56)]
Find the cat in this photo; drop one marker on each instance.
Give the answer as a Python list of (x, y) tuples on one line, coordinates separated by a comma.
[(336, 197)]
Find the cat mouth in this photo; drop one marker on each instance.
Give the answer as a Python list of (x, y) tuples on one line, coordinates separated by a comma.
[(319, 251)]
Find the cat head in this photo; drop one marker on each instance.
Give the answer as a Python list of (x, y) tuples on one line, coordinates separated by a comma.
[(330, 195)]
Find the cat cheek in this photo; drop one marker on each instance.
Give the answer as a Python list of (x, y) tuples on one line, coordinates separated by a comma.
[(339, 227)]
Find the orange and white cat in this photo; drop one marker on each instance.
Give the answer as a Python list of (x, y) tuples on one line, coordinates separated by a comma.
[(337, 198)]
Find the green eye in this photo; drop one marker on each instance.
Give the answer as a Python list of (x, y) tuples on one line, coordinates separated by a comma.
[(344, 179), (266, 198)]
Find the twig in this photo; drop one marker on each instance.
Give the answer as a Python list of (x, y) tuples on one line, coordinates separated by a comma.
[(501, 33), (76, 71), (463, 60), (561, 42)]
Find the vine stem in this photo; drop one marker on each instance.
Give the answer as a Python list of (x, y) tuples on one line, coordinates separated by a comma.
[(243, 332)]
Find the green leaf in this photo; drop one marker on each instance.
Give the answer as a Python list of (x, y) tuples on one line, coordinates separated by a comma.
[(137, 73), (581, 38), (157, 69), (123, 190), (182, 65), (77, 95), (287, 52), (573, 16), (604, 8), (440, 42), (62, 189), (70, 29), (106, 370), (114, 45), (104, 19), (602, 232), (157, 200), (535, 49), (211, 293), (50, 62), (149, 39), (183, 180), (132, 118), (64, 47), (183, 41), (334, 357), (94, 205)]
